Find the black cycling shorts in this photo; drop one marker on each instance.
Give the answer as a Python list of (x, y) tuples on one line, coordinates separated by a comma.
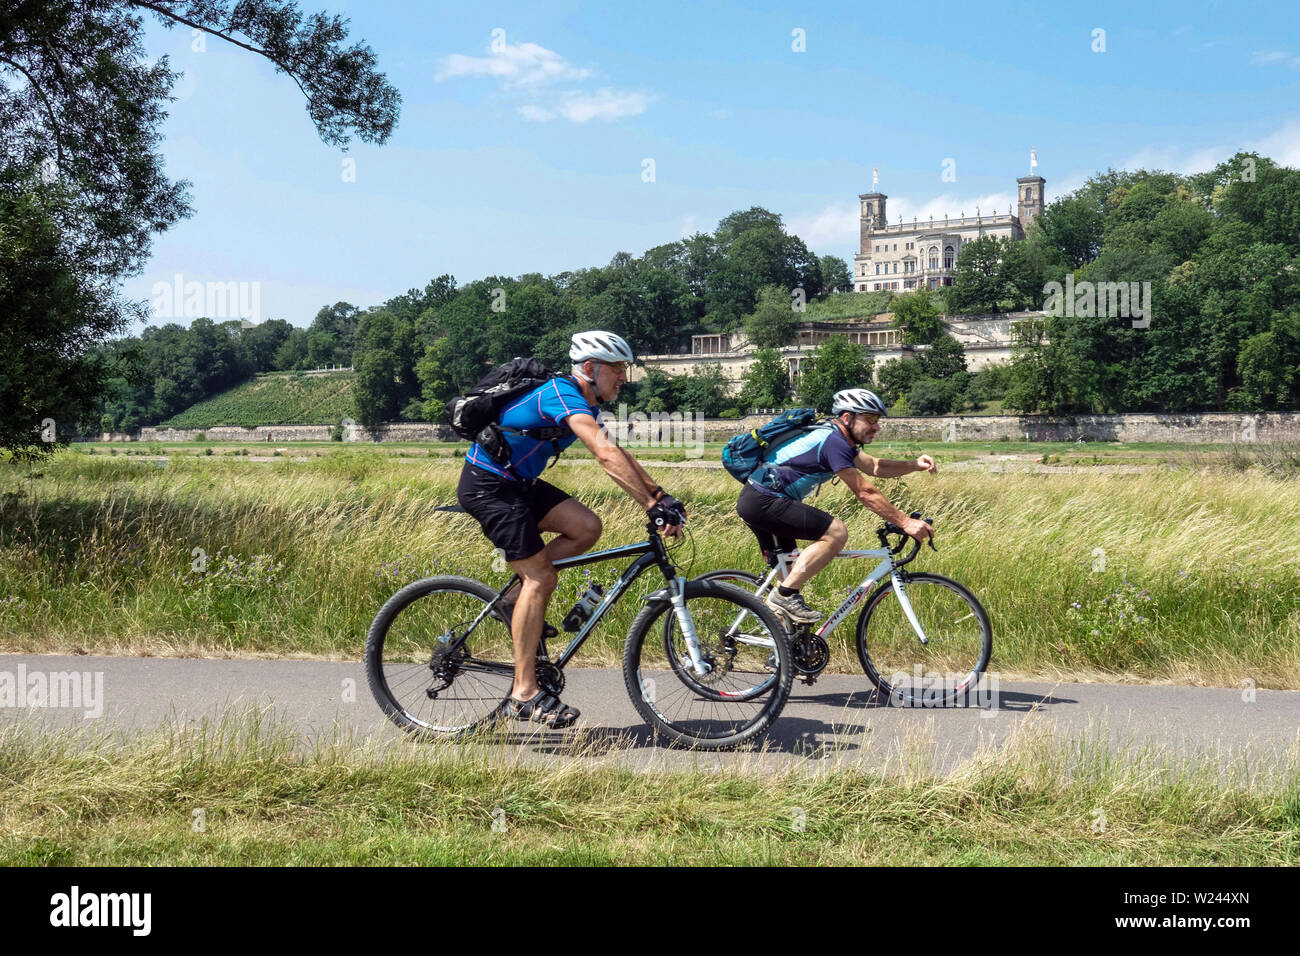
[(508, 510), (778, 522)]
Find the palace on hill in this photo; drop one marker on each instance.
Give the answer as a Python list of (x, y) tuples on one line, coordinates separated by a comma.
[(893, 258), (923, 255)]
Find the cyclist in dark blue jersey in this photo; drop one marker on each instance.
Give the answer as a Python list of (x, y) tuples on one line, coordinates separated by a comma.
[(771, 500), (515, 506)]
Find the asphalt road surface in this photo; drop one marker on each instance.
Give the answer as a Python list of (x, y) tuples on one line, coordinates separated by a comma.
[(838, 721)]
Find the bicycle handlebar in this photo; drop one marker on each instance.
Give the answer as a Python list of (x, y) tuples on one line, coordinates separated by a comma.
[(889, 528)]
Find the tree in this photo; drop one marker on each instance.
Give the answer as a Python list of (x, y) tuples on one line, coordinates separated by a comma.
[(917, 314), (82, 107), (766, 382), (977, 286), (1269, 364), (1039, 379), (52, 313), (834, 365), (944, 358), (896, 377), (930, 396), (703, 391), (836, 276), (773, 323)]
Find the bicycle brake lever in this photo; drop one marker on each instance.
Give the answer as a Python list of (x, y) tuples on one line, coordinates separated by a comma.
[(930, 542)]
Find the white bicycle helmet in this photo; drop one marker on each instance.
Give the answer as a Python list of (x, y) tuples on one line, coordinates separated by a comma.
[(858, 400), (601, 347)]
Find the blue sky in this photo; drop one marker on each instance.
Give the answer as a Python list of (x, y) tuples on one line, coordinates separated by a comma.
[(531, 157)]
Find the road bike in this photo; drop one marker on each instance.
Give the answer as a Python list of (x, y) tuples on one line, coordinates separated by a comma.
[(440, 660), (927, 647)]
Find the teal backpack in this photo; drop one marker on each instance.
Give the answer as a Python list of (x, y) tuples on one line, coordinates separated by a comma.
[(746, 451)]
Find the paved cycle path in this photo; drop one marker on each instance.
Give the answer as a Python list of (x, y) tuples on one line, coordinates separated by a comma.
[(838, 721)]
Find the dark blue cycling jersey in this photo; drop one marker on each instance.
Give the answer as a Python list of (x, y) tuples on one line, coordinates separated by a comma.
[(800, 465), (544, 407)]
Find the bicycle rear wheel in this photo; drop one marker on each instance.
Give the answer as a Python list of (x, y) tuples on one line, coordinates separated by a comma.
[(424, 685), (959, 641), (740, 696)]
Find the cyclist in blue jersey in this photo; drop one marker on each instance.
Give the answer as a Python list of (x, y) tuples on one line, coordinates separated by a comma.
[(771, 500), (515, 506)]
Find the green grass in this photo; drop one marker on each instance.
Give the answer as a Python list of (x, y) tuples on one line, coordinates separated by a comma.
[(247, 793), (276, 399), (1180, 574)]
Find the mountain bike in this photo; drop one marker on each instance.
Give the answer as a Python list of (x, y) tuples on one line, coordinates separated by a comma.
[(440, 659), (926, 647)]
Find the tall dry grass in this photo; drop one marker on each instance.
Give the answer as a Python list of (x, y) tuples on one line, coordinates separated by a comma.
[(1188, 575)]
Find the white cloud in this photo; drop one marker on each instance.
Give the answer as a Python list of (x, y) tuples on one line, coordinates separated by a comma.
[(1282, 146), (515, 65), (576, 107), (536, 114), (1173, 160), (835, 225), (1274, 57), (949, 205), (689, 228), (532, 70)]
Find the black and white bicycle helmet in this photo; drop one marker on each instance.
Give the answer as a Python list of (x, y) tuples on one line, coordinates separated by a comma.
[(859, 401), (600, 347)]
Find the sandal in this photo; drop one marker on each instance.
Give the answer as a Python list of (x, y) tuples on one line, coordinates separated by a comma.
[(544, 708)]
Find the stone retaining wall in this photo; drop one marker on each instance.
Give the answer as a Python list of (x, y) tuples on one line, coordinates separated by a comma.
[(1191, 428), (1185, 428)]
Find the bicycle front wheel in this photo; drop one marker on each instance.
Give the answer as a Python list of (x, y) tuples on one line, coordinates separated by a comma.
[(738, 641), (745, 650), (936, 672), (425, 678)]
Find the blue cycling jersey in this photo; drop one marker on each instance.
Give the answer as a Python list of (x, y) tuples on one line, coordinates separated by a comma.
[(544, 407), (803, 463)]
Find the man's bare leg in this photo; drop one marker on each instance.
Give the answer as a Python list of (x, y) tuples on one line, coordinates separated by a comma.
[(817, 555), (578, 528), (538, 579)]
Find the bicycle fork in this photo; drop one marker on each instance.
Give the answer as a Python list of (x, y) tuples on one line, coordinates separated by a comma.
[(900, 592), (678, 592)]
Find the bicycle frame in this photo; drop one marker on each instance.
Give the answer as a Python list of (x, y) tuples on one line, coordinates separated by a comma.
[(647, 553), (886, 567)]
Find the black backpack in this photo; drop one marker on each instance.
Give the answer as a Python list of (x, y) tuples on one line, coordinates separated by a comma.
[(474, 415)]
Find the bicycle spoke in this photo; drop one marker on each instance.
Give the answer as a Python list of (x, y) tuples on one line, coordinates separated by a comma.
[(739, 695), (943, 668)]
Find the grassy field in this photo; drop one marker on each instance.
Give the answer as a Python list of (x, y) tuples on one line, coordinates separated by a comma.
[(245, 793), (1179, 573)]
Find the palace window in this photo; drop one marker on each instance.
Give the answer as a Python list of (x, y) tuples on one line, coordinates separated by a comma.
[(947, 257), (934, 257)]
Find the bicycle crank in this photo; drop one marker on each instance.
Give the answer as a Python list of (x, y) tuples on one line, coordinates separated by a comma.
[(810, 655)]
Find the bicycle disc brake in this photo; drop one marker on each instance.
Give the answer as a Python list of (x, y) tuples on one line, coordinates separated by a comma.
[(718, 656)]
